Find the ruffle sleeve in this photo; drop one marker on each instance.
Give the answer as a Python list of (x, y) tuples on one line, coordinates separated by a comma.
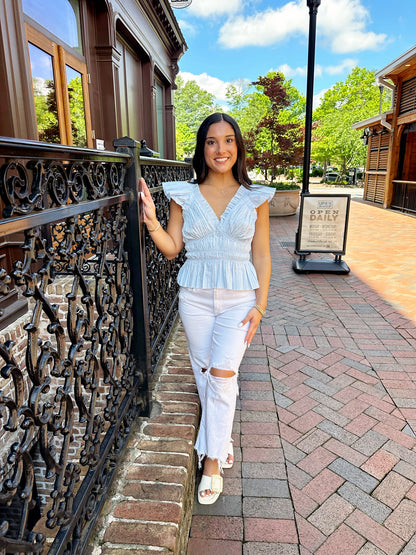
[(179, 191), (260, 193)]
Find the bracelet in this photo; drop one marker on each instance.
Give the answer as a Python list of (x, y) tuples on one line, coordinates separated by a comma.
[(155, 229), (261, 310)]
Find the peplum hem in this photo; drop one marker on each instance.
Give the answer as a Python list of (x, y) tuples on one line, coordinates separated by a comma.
[(229, 274)]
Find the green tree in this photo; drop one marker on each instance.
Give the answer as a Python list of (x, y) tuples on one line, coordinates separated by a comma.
[(295, 110), (192, 105), (276, 140), (333, 140), (77, 111), (247, 106), (46, 110)]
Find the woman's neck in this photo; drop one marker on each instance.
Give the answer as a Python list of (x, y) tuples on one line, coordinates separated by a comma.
[(220, 181)]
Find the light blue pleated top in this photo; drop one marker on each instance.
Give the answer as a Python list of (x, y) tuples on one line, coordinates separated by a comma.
[(218, 250)]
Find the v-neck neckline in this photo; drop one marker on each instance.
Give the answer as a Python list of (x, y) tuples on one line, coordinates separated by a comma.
[(230, 202)]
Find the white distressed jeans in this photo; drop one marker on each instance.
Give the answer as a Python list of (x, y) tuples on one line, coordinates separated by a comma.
[(211, 319)]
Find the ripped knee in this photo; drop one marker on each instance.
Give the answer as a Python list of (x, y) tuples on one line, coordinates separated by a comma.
[(218, 372)]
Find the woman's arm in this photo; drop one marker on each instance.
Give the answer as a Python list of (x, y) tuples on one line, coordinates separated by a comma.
[(261, 254), (262, 262), (169, 242)]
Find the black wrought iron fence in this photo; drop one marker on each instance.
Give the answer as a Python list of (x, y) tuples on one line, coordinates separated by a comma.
[(81, 329), (162, 288)]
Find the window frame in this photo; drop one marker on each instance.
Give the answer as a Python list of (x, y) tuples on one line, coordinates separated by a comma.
[(61, 58), (160, 133)]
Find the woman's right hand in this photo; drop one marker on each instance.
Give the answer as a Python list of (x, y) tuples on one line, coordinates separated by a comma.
[(169, 241), (149, 209)]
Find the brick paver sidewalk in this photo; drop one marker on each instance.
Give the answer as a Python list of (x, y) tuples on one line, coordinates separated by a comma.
[(324, 431)]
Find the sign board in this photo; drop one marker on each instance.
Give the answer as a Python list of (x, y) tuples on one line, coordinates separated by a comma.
[(180, 3), (323, 223)]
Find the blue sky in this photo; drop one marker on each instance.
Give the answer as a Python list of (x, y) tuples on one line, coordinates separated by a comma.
[(233, 40)]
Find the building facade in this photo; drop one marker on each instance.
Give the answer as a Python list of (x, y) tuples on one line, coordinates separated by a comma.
[(390, 178), (85, 72)]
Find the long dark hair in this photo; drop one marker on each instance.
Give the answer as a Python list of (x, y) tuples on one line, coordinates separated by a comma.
[(198, 162)]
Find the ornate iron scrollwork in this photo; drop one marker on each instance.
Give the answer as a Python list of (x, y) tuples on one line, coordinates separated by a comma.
[(20, 196), (77, 355), (37, 185), (70, 385), (162, 288), (76, 378)]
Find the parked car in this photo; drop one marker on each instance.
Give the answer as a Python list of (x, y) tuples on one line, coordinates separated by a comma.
[(333, 177)]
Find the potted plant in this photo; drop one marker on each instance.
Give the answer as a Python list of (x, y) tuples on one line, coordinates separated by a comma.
[(286, 198)]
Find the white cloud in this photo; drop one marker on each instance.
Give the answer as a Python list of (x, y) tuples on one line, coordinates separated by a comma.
[(346, 65), (339, 69), (318, 70), (210, 8), (211, 84), (186, 27), (317, 98), (341, 23), (357, 41), (290, 72), (265, 28)]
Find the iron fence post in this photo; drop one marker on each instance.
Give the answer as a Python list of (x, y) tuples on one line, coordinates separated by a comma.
[(136, 253)]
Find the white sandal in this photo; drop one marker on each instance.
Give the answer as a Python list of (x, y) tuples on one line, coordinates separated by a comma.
[(212, 483), (230, 454)]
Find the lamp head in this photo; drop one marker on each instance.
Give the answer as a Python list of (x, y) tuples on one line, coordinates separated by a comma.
[(313, 3)]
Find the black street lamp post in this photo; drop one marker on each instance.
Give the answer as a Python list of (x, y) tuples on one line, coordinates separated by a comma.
[(313, 12), (320, 208)]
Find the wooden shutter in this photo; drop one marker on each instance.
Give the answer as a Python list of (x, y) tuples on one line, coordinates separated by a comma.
[(408, 96), (377, 167)]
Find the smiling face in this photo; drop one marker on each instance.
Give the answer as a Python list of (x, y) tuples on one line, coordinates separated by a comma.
[(220, 149)]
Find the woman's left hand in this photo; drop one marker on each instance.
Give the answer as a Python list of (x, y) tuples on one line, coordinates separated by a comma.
[(253, 317)]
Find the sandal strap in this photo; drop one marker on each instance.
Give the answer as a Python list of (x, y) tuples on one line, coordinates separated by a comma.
[(213, 483), (216, 483)]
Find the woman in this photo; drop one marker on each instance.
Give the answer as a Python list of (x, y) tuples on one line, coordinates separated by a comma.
[(224, 223)]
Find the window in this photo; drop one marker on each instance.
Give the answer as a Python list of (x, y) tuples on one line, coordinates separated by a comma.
[(130, 101), (60, 96), (160, 114), (58, 71), (60, 17)]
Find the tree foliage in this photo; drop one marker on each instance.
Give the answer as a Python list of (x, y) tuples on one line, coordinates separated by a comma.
[(46, 110), (247, 106), (270, 113), (275, 141), (356, 99), (192, 106), (77, 111)]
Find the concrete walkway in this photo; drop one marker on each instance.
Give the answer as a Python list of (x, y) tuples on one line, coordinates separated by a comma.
[(326, 419)]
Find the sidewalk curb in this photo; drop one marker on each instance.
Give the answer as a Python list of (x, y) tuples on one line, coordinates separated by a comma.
[(150, 501)]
